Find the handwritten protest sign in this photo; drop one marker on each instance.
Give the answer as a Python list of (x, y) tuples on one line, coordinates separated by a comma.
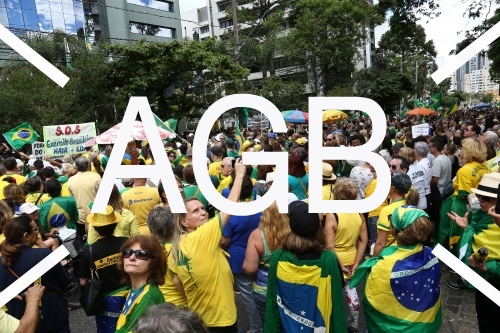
[(418, 130), (61, 140)]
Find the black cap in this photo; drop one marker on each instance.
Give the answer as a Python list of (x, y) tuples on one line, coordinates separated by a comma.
[(302, 223), (217, 151)]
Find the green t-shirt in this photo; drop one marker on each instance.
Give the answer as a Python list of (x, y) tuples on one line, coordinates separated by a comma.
[(137, 303), (62, 179)]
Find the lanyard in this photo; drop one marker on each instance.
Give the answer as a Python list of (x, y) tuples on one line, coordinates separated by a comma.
[(132, 296)]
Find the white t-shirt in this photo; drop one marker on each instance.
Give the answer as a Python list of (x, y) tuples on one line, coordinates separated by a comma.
[(417, 176), (427, 166)]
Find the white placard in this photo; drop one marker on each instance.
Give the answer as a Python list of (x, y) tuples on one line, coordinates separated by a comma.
[(418, 130), (38, 151)]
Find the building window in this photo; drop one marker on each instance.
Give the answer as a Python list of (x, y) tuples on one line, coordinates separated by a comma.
[(205, 30), (151, 30), (226, 23), (224, 5), (165, 5)]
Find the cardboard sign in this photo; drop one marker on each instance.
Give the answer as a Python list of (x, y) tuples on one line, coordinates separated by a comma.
[(38, 151), (63, 140), (418, 130)]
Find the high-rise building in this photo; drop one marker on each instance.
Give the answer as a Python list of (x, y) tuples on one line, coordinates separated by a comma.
[(479, 61)]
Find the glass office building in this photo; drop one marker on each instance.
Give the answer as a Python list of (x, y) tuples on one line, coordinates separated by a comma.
[(42, 15)]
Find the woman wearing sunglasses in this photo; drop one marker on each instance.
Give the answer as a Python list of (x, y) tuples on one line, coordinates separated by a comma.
[(482, 232), (18, 257), (143, 265)]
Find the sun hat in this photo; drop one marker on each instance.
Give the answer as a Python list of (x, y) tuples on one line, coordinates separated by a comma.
[(328, 172), (302, 223), (103, 219), (270, 177), (488, 186), (301, 141), (404, 216), (247, 144), (28, 208)]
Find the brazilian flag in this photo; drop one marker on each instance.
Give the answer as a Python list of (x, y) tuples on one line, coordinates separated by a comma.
[(304, 295), (58, 212), (418, 104), (434, 102), (453, 108), (239, 136), (402, 292), (21, 135)]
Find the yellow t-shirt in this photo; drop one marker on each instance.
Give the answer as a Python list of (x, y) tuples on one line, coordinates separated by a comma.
[(8, 324), (33, 197), (384, 220), (214, 168), (125, 228), (169, 291), (2, 186), (348, 230), (206, 276), (65, 190), (469, 176), (369, 191), (327, 192), (224, 183), (19, 179), (81, 186), (140, 201)]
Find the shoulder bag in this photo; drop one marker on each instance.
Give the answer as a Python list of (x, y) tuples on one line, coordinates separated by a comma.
[(92, 297)]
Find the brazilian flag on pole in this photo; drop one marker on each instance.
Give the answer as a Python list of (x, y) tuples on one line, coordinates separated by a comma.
[(21, 135), (239, 136), (453, 108), (434, 102)]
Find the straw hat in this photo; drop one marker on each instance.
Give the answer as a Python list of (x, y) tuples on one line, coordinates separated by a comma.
[(328, 172), (488, 186), (270, 177), (102, 219)]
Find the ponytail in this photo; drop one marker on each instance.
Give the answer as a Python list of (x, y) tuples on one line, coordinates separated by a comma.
[(412, 198), (14, 231)]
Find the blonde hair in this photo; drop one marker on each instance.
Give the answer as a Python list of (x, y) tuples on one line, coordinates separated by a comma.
[(474, 150), (408, 153), (345, 189), (5, 214), (274, 226)]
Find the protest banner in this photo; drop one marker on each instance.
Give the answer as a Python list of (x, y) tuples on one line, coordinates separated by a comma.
[(37, 149), (61, 140), (418, 130)]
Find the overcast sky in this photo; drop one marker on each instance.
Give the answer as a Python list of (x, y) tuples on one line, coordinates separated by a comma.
[(443, 30)]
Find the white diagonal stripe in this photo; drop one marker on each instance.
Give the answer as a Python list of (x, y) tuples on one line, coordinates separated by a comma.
[(470, 51), (33, 57), (41, 268), (467, 273)]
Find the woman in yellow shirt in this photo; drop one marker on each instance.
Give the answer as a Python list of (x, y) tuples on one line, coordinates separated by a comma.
[(342, 232), (468, 177), (35, 194), (201, 264), (161, 223)]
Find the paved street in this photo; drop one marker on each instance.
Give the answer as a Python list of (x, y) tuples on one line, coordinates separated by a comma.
[(459, 314)]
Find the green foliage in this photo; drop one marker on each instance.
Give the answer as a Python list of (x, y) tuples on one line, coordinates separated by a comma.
[(285, 95), (487, 98)]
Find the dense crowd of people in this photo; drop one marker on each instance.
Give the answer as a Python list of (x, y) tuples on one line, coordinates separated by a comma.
[(165, 272)]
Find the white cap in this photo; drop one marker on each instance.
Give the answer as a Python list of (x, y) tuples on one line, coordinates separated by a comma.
[(270, 177), (28, 208), (31, 162), (191, 134), (257, 141)]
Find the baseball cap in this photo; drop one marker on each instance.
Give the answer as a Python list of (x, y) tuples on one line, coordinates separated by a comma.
[(217, 151), (302, 223), (28, 208), (189, 152), (272, 135), (31, 162)]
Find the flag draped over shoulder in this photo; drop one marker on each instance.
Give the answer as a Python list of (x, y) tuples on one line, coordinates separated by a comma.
[(402, 292), (58, 212), (21, 135), (304, 295)]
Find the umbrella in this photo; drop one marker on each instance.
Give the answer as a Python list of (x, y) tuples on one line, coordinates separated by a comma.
[(295, 116), (421, 112), (481, 106), (332, 116), (138, 133)]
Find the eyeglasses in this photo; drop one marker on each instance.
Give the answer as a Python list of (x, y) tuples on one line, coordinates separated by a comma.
[(484, 198), (139, 254), (394, 167), (171, 155), (35, 230), (329, 139)]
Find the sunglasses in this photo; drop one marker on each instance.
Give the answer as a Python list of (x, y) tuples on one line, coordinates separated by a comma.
[(139, 254), (171, 155), (393, 166), (484, 198)]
